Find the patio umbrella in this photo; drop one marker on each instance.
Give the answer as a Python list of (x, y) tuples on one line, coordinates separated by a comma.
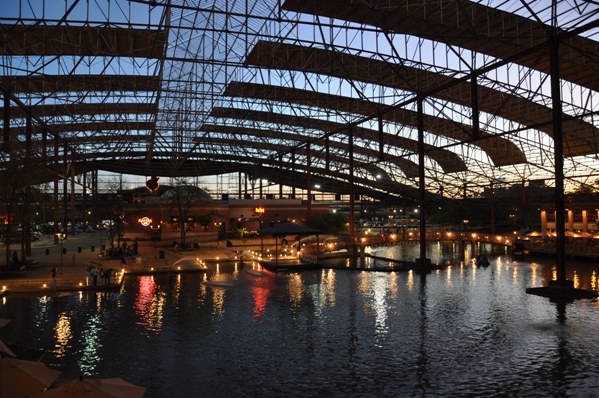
[(94, 388), (19, 378), (4, 349)]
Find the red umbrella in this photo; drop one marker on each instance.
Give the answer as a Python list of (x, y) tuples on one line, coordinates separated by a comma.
[(95, 388), (19, 378)]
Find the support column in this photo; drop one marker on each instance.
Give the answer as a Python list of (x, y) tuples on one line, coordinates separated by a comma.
[(558, 138), (352, 216), (570, 220), (475, 113), (27, 200), (260, 188), (585, 221), (309, 180), (65, 192), (492, 207), (544, 223), (282, 173), (293, 174), (381, 139), (73, 203), (6, 132), (327, 155), (422, 261)]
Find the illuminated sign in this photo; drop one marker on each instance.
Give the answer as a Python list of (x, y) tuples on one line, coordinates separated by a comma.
[(145, 221), (259, 210)]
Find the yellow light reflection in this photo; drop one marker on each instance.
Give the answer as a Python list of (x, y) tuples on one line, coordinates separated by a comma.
[(515, 275), (218, 302), (62, 334), (363, 282), (410, 280), (448, 276), (533, 274), (393, 281), (576, 281), (329, 286), (296, 290)]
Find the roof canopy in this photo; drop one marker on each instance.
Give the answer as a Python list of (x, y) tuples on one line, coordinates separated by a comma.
[(303, 91)]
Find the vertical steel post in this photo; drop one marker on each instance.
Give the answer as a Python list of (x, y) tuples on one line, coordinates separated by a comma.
[(475, 114), (6, 138), (421, 181), (352, 216), (381, 139), (559, 158), (309, 180)]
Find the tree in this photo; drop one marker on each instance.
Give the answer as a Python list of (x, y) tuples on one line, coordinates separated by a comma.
[(330, 223), (182, 198)]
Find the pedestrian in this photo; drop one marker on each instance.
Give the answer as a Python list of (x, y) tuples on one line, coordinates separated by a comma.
[(15, 259), (107, 275), (53, 271), (95, 276)]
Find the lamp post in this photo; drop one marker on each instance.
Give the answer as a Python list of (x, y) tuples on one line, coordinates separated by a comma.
[(61, 237)]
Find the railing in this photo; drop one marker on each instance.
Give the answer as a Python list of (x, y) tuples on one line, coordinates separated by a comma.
[(455, 236)]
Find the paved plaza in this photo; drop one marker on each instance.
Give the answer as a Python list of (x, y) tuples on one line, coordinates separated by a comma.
[(74, 255)]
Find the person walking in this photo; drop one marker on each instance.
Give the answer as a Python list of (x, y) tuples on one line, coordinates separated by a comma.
[(53, 272)]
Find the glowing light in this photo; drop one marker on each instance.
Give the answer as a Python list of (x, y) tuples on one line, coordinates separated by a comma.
[(145, 221)]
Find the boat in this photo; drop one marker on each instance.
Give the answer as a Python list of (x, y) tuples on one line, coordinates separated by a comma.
[(483, 261)]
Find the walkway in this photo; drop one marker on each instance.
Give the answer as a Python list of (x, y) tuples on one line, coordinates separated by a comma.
[(83, 251)]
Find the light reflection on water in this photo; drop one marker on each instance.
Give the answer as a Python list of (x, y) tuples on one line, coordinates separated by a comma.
[(459, 331)]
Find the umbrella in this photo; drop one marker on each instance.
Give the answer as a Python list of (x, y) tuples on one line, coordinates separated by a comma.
[(4, 322), (95, 388), (4, 349), (19, 378)]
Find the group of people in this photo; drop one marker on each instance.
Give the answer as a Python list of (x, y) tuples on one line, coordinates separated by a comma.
[(93, 273), (124, 250)]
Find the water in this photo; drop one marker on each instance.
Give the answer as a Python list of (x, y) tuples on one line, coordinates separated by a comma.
[(460, 331)]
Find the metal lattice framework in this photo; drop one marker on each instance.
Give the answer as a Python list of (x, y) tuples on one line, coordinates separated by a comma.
[(302, 91)]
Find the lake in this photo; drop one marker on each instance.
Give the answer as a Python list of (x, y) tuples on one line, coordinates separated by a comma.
[(464, 330)]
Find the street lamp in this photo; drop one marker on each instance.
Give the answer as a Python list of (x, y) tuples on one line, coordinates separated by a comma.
[(61, 237)]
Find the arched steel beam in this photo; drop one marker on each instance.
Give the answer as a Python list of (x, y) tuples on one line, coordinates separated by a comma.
[(53, 110), (580, 138), (409, 168), (281, 148), (449, 161), (501, 151), (468, 25), (68, 83)]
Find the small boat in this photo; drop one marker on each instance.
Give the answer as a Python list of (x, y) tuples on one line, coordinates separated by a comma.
[(483, 261), (219, 283)]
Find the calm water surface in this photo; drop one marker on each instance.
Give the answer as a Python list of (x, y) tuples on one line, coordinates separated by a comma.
[(460, 331)]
